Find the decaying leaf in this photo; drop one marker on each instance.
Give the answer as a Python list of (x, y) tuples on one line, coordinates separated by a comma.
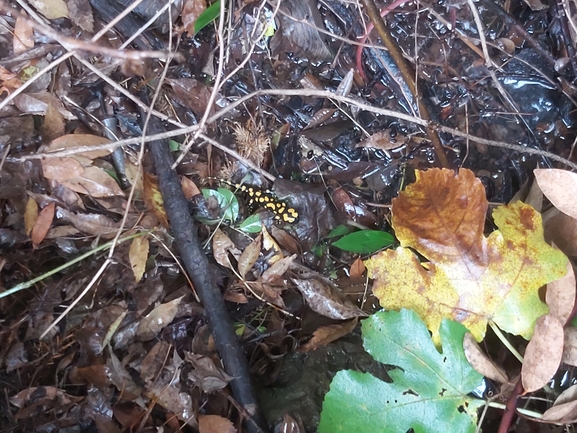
[(206, 374), (278, 269), (51, 9), (560, 187), (157, 319), (249, 256), (543, 354), (154, 361), (221, 246), (469, 278), (326, 301), (43, 223), (560, 295), (215, 424), (138, 254), (153, 198), (191, 10), (481, 362), (564, 410), (570, 346), (326, 334), (30, 215)]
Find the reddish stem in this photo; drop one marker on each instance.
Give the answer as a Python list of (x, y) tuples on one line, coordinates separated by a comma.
[(510, 409)]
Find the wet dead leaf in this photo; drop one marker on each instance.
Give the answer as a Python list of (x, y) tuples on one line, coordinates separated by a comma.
[(215, 424), (561, 230), (30, 215), (54, 124), (158, 318), (570, 346), (543, 354), (51, 9), (286, 240), (206, 374), (560, 187), (153, 198), (122, 379), (324, 300), (23, 36), (481, 362), (154, 361), (327, 334), (249, 256), (564, 410), (80, 142), (560, 296), (61, 169), (221, 246), (95, 182), (43, 224), (80, 13), (191, 10), (92, 224), (357, 268), (384, 141), (278, 269), (138, 255), (191, 93)]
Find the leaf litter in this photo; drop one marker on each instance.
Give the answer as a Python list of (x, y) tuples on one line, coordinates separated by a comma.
[(137, 349)]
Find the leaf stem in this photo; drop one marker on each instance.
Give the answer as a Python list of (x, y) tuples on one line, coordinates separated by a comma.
[(504, 340)]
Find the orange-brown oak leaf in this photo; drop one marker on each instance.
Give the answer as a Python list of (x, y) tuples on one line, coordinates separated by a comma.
[(466, 277)]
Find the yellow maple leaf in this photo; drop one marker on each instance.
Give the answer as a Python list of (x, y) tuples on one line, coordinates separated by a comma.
[(468, 278)]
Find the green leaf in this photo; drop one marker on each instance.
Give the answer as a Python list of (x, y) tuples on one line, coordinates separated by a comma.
[(251, 225), (174, 145), (209, 15), (364, 241), (338, 231), (429, 394), (226, 201)]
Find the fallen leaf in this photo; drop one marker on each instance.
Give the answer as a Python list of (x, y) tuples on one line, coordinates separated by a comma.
[(543, 354), (158, 318), (82, 143), (154, 361), (61, 169), (560, 187), (153, 198), (191, 10), (80, 13), (30, 215), (357, 268), (8, 81), (43, 224), (138, 255), (481, 362), (269, 244), (278, 269), (384, 141), (221, 246), (95, 182), (191, 93), (23, 36), (206, 374), (54, 124), (214, 424), (327, 334), (37, 103), (560, 296), (189, 188), (561, 230), (564, 410), (93, 224), (468, 278), (570, 346), (249, 256), (51, 9), (324, 300)]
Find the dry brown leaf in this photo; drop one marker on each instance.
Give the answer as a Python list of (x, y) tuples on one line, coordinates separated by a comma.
[(564, 410), (37, 103), (561, 230), (215, 424), (61, 169), (189, 188), (560, 296), (191, 10), (543, 354), (138, 255), (153, 198), (158, 318), (92, 224), (237, 297), (191, 93), (43, 224), (206, 374), (80, 13), (154, 361), (535, 197), (30, 215), (357, 268), (286, 240), (570, 346), (94, 182), (8, 81), (481, 362), (85, 141), (560, 187), (54, 124), (221, 246), (23, 36), (249, 256), (269, 244), (324, 300), (320, 116), (51, 9), (278, 269), (327, 334), (382, 140)]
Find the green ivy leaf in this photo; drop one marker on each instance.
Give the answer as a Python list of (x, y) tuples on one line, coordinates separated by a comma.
[(209, 15), (340, 230), (226, 201), (251, 225), (429, 394), (364, 241)]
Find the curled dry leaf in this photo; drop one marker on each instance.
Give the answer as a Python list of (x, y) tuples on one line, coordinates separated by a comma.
[(561, 230), (564, 410), (43, 223), (384, 141), (543, 354), (560, 187), (92, 224), (481, 362), (158, 318), (215, 424), (249, 256), (278, 269), (153, 198), (570, 346), (327, 334), (560, 295), (221, 246), (30, 215), (94, 182), (62, 169), (325, 300), (138, 255), (82, 143), (191, 10), (269, 244)]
